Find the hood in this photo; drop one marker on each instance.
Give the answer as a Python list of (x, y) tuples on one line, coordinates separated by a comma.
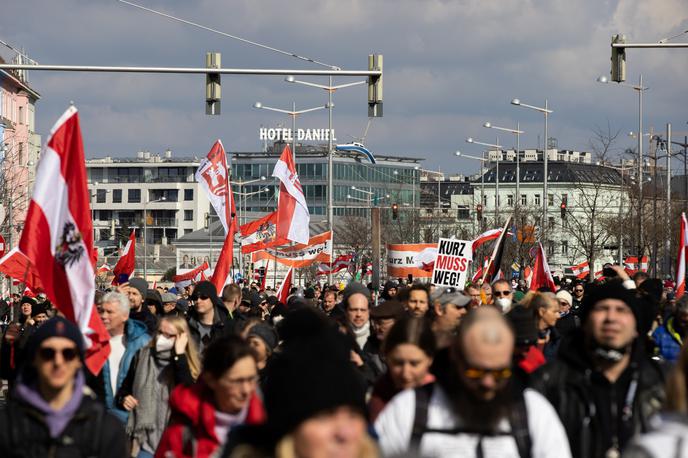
[(220, 316), (572, 350), (135, 330)]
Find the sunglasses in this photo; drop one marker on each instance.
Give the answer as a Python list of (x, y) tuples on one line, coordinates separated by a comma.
[(48, 354), (502, 293), (477, 374), (202, 297), (578, 290)]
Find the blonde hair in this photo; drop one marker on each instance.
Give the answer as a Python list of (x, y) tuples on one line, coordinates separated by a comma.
[(191, 352)]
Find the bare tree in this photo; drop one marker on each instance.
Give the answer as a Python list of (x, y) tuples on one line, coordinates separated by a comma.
[(603, 141)]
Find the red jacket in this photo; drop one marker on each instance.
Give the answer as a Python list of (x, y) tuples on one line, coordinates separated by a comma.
[(193, 408)]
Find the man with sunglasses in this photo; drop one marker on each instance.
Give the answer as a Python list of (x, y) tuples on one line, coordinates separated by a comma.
[(503, 294), (578, 292), (50, 411), (473, 409), (208, 318)]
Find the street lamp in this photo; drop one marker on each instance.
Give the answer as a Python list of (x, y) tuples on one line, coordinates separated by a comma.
[(518, 133), (640, 88), (293, 113), (145, 229), (482, 176), (499, 147), (545, 199)]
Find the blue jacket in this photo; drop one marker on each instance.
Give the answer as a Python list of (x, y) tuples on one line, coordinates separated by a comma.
[(668, 341), (136, 337)]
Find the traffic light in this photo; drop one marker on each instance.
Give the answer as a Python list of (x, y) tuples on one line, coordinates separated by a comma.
[(213, 89), (618, 59), (563, 208), (395, 211), (375, 87), (479, 210)]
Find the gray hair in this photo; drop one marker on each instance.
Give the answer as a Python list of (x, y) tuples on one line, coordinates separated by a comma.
[(121, 299)]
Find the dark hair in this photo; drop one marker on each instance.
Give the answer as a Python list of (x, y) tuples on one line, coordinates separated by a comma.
[(640, 275), (223, 353), (502, 281), (404, 294), (411, 330)]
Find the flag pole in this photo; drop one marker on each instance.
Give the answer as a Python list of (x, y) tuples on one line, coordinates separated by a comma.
[(494, 250)]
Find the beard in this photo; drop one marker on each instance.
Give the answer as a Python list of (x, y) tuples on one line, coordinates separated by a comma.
[(477, 414)]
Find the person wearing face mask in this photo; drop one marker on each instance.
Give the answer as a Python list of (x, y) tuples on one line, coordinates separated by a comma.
[(503, 295), (170, 359)]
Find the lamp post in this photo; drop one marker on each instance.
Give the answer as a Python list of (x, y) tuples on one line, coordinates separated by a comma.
[(482, 177), (640, 89), (330, 88), (293, 113), (545, 200), (621, 169), (518, 133), (145, 229), (499, 147)]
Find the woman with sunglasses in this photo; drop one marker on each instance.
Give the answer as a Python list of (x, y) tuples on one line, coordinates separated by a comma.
[(169, 360), (225, 397), (408, 350), (50, 411)]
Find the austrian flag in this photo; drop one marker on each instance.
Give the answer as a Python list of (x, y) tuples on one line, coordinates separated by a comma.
[(58, 235), (292, 211)]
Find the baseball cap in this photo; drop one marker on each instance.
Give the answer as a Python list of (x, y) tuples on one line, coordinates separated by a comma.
[(450, 295)]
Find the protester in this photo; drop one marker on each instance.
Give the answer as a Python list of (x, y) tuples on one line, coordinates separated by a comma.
[(315, 400), (263, 340), (545, 309), (231, 298), (503, 295), (603, 385), (409, 350), (329, 304), (578, 293), (154, 302), (169, 360), (136, 291), (486, 295), (169, 305), (473, 410), (357, 307), (527, 356), (669, 336), (416, 298), (473, 292), (51, 412), (567, 321), (127, 337), (208, 317), (383, 318), (225, 397), (449, 305)]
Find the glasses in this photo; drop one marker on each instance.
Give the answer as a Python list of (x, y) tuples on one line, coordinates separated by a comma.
[(578, 290), (201, 296), (502, 293), (48, 354), (497, 374)]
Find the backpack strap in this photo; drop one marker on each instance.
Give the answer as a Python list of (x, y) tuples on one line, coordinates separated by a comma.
[(518, 419), (420, 418)]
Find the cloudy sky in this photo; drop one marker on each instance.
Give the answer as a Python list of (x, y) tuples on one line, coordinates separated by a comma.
[(450, 65)]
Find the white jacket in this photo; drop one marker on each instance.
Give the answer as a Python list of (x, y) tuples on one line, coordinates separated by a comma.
[(669, 438), (395, 423)]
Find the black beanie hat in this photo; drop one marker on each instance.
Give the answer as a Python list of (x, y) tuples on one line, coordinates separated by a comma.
[(524, 325), (28, 300), (312, 374), (140, 284), (54, 327), (39, 308), (204, 288), (612, 289), (355, 288)]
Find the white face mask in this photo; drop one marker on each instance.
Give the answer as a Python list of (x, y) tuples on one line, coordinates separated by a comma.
[(164, 343), (504, 303)]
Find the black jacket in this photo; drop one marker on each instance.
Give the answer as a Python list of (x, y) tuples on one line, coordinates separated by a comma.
[(221, 326), (147, 318), (583, 397), (92, 432)]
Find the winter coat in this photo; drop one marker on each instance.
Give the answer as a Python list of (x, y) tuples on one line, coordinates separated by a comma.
[(192, 424), (135, 337), (668, 341), (221, 326), (146, 317), (571, 383), (91, 432)]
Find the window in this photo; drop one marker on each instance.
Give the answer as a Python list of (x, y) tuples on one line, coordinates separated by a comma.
[(536, 200), (116, 196), (100, 196), (524, 200), (550, 222), (565, 247), (188, 194), (550, 200), (134, 196), (550, 248), (188, 231), (510, 200), (463, 213), (188, 215)]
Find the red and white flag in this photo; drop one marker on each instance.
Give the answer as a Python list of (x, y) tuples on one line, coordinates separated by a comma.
[(631, 264), (105, 268), (542, 276), (681, 262), (285, 287), (17, 266), (581, 270), (58, 235), (127, 261), (486, 236), (293, 217), (222, 273), (260, 234), (192, 274), (342, 262), (213, 178)]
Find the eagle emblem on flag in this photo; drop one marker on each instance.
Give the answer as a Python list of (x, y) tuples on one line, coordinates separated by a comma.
[(70, 248)]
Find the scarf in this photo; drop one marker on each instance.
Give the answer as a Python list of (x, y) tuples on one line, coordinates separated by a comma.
[(362, 334), (56, 420), (153, 382)]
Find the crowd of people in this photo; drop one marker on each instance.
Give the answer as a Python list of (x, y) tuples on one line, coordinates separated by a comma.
[(490, 370)]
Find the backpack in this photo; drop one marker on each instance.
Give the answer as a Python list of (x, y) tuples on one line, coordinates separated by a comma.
[(518, 420)]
